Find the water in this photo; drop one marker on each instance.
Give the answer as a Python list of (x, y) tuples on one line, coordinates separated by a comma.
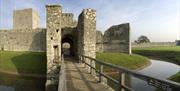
[(158, 69), (20, 83)]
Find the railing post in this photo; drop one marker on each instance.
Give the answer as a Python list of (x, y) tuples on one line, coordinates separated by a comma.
[(79, 58), (91, 65), (88, 61), (121, 81), (83, 61), (101, 71)]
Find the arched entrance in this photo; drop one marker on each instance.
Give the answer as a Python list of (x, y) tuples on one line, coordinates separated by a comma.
[(68, 48)]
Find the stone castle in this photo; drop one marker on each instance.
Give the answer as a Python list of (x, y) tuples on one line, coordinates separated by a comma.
[(61, 28)]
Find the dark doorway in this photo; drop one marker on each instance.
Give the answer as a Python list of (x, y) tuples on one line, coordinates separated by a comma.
[(66, 49), (68, 46)]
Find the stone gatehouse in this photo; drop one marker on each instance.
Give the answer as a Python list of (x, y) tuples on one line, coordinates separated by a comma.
[(62, 30)]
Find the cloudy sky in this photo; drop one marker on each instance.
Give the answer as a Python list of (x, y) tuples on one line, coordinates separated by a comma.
[(157, 19)]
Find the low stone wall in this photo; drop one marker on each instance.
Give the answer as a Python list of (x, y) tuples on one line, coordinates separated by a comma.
[(154, 44), (19, 40)]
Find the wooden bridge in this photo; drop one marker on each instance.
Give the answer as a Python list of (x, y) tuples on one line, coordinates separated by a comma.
[(75, 77)]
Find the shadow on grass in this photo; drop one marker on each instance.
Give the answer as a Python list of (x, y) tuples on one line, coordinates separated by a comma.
[(30, 66), (30, 63)]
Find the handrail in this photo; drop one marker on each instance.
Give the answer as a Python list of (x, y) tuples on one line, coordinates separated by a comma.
[(62, 76), (156, 82)]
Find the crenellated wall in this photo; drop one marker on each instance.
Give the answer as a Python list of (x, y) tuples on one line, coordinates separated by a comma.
[(67, 20), (23, 40)]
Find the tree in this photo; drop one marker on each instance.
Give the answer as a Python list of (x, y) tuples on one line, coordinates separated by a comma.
[(143, 39)]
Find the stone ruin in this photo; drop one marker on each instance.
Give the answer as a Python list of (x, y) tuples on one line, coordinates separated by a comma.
[(62, 28), (115, 39)]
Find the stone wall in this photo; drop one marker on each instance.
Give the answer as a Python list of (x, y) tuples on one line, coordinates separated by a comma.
[(87, 35), (87, 32), (117, 39), (23, 40), (68, 21), (25, 19), (53, 42), (99, 41), (154, 44)]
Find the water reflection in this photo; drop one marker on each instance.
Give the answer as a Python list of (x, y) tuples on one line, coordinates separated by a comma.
[(158, 69), (19, 83), (5, 88)]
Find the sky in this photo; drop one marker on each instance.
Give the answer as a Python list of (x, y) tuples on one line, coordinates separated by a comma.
[(159, 20)]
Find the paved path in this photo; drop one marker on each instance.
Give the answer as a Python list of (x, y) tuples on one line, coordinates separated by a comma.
[(78, 79)]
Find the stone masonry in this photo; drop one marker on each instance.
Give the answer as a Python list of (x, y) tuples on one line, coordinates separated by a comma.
[(26, 22), (61, 28), (53, 42), (30, 40), (26, 19), (117, 39), (87, 34)]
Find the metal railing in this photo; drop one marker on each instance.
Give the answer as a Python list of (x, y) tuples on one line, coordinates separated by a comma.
[(155, 82), (62, 76)]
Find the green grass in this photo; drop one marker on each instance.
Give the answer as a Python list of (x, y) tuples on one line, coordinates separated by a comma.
[(175, 77), (132, 62), (23, 62), (166, 53), (128, 61)]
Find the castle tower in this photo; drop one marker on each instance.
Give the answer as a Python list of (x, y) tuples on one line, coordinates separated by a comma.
[(87, 34), (26, 19), (53, 43)]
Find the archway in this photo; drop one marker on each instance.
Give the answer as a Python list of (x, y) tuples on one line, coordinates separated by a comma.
[(68, 46)]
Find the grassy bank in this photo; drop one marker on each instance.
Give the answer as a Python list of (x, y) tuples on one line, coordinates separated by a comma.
[(128, 61), (23, 62), (132, 62), (166, 53), (175, 77)]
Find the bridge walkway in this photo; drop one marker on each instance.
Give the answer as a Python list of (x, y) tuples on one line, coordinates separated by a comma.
[(78, 79)]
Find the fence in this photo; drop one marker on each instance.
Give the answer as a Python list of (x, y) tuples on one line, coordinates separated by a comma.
[(158, 83)]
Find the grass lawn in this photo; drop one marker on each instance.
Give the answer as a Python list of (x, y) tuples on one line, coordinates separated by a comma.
[(175, 77), (132, 62), (128, 61), (166, 53), (23, 62)]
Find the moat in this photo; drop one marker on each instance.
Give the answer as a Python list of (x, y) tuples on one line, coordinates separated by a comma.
[(19, 83), (159, 69)]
